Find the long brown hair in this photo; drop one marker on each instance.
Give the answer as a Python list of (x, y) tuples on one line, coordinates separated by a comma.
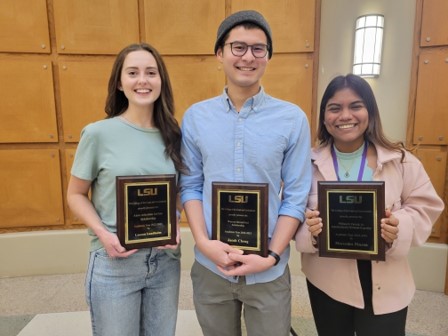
[(374, 132), (164, 120)]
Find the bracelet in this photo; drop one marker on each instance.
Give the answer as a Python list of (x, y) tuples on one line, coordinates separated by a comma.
[(275, 255)]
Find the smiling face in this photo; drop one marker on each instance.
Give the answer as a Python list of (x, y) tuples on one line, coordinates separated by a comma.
[(140, 79), (346, 119), (243, 72)]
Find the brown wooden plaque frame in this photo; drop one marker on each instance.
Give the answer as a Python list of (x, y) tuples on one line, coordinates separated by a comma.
[(351, 213), (146, 210), (240, 215)]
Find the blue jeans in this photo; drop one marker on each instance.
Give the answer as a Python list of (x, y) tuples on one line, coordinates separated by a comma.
[(134, 296)]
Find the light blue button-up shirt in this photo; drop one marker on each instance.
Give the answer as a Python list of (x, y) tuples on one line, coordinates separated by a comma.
[(268, 141)]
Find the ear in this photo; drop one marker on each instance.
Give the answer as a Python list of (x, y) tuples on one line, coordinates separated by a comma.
[(120, 87), (219, 55)]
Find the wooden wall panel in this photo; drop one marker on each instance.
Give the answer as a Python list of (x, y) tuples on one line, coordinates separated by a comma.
[(428, 100), (434, 23), (30, 188), (203, 73), (28, 112), (95, 27), (435, 159), (432, 98), (288, 76), (188, 29), (83, 89), (292, 22), (24, 26)]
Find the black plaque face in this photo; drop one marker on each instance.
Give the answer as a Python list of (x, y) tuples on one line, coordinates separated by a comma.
[(146, 210), (240, 215), (351, 213)]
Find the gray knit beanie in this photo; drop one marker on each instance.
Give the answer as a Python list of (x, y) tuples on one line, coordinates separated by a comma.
[(242, 17)]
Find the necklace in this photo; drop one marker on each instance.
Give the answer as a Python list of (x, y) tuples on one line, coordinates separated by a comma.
[(339, 157), (347, 170)]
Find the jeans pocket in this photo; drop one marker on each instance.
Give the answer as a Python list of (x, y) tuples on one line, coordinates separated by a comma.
[(101, 252), (175, 254)]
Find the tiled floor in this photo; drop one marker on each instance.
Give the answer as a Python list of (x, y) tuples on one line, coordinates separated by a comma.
[(78, 324), (55, 306)]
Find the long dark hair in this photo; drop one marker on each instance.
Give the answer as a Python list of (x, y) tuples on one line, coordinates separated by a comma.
[(164, 120), (374, 132)]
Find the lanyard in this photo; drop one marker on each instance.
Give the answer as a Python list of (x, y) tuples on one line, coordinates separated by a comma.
[(361, 168)]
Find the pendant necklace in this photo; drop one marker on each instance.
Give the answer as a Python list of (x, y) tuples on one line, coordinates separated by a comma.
[(347, 174), (347, 171)]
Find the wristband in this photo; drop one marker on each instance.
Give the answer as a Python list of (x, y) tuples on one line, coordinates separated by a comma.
[(275, 255)]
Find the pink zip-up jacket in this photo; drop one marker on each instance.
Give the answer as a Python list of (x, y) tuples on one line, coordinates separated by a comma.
[(412, 199)]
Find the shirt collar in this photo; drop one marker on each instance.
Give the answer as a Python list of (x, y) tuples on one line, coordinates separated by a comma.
[(255, 102)]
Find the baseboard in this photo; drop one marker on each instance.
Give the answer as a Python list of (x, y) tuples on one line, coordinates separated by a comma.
[(429, 264), (58, 252), (43, 252), (66, 251)]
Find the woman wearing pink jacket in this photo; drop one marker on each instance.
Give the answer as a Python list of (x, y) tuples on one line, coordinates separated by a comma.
[(363, 296)]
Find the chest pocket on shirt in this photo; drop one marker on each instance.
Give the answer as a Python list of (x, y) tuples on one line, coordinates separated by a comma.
[(268, 151)]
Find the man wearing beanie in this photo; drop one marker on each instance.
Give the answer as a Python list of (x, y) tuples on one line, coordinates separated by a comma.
[(244, 136)]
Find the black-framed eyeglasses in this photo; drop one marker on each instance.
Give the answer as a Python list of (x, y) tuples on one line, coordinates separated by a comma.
[(259, 50)]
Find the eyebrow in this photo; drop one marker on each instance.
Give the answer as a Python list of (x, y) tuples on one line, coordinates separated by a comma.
[(353, 102), (136, 67), (257, 43)]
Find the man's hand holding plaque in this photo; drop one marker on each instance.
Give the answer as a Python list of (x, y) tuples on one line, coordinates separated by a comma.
[(240, 215)]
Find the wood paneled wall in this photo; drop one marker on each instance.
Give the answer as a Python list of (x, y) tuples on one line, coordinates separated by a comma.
[(428, 100), (55, 61)]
